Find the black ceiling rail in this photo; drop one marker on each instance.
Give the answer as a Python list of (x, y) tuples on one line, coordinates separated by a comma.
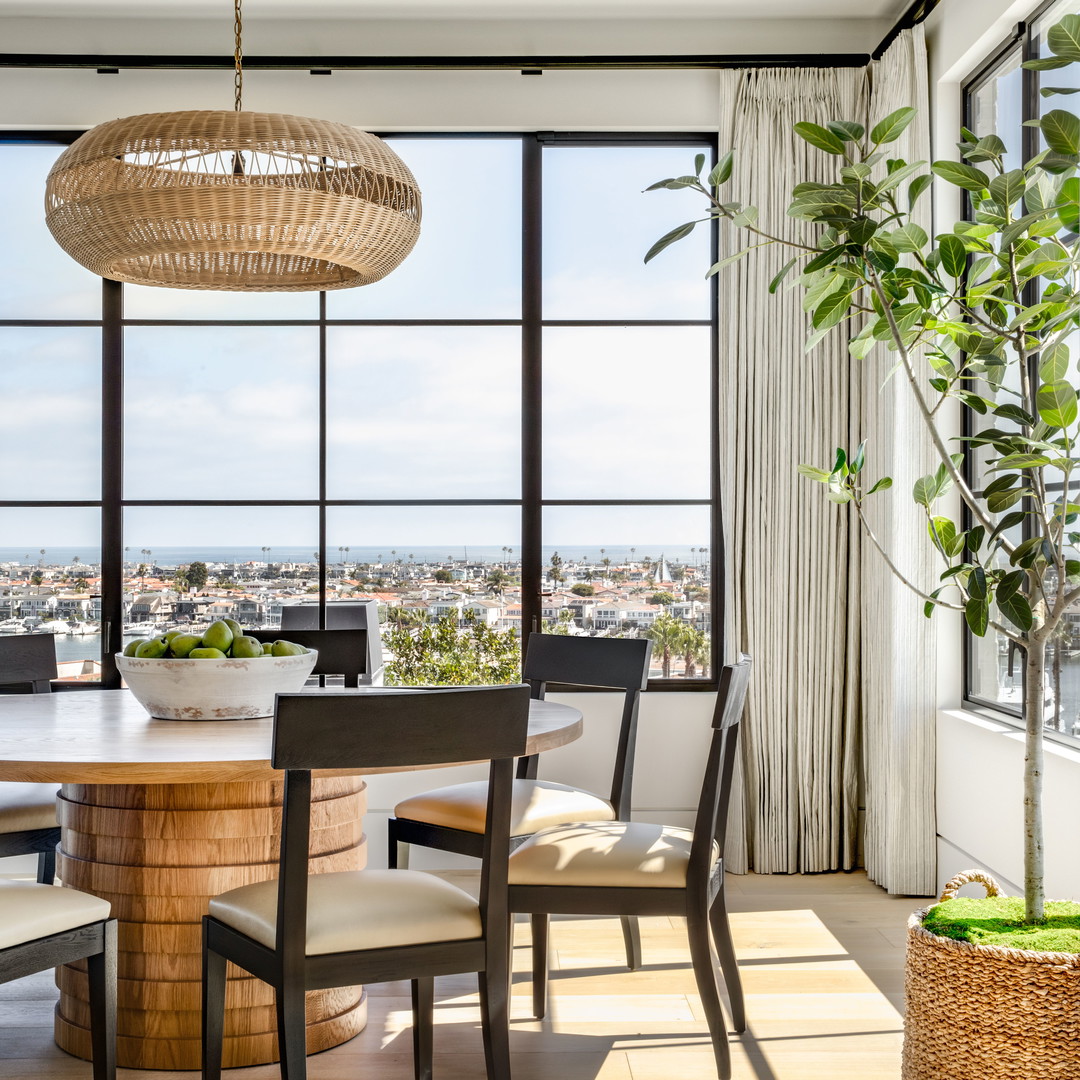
[(914, 15), (322, 64)]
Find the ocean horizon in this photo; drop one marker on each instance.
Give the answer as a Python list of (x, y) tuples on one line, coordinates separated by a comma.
[(171, 557)]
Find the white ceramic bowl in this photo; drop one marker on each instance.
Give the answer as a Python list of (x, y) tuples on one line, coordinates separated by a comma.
[(213, 689)]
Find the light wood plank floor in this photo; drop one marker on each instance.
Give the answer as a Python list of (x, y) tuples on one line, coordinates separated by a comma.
[(822, 966)]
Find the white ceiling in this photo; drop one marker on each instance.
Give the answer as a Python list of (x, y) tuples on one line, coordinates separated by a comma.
[(460, 9)]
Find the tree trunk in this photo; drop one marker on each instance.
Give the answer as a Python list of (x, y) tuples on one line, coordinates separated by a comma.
[(1034, 707)]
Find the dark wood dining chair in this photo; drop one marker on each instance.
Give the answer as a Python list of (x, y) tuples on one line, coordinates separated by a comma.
[(28, 811), (623, 867), (42, 926), (452, 818), (304, 932), (341, 652)]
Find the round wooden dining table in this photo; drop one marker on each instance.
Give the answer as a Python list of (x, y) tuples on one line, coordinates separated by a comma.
[(158, 816)]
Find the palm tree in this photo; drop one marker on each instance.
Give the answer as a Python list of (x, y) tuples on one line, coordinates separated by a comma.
[(695, 650), (667, 634)]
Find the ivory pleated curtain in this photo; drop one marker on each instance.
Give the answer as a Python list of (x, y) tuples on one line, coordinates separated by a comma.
[(840, 711)]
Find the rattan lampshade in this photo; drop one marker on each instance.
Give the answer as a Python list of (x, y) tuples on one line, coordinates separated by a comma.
[(245, 201)]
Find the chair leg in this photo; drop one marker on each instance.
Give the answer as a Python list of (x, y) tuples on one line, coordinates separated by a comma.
[(423, 1023), (213, 1010), (495, 1009), (729, 965), (540, 927), (292, 1031), (632, 940), (397, 853), (46, 866), (101, 969), (697, 928)]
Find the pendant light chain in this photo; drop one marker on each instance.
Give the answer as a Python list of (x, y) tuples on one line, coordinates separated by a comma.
[(238, 52)]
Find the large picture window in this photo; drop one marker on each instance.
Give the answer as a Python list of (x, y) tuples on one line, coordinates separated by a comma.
[(1000, 98), (515, 428)]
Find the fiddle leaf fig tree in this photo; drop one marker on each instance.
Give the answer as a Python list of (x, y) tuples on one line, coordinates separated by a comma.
[(984, 313)]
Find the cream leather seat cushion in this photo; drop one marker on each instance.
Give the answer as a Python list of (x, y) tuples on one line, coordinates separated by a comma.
[(537, 804), (359, 909), (27, 806), (619, 853), (29, 911)]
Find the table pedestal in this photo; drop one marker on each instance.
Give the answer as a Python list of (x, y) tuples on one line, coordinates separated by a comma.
[(159, 852)]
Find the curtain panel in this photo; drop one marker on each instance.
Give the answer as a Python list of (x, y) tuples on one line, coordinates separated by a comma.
[(838, 717)]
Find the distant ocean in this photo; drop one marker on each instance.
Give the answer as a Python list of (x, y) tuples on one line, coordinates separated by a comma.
[(172, 557)]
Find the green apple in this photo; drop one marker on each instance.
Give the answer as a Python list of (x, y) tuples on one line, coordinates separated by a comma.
[(234, 626), (268, 648), (182, 644), (245, 648), (218, 635), (172, 634), (287, 648), (152, 649), (206, 654), (129, 649)]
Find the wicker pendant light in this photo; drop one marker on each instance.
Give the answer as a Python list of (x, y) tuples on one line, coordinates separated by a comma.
[(241, 201)]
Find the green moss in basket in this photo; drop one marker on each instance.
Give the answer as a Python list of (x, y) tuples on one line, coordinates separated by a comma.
[(999, 920)]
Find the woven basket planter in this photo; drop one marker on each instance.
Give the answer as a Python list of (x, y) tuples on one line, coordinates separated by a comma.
[(982, 1012)]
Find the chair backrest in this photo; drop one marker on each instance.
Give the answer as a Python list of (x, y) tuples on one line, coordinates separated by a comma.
[(341, 652), (27, 660), (341, 615), (618, 663), (387, 729), (710, 824)]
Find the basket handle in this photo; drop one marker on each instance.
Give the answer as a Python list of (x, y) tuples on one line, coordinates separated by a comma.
[(952, 886)]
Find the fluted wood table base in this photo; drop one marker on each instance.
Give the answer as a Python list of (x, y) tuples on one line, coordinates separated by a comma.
[(159, 852)]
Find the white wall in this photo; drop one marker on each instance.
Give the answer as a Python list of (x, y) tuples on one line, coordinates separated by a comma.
[(980, 761)]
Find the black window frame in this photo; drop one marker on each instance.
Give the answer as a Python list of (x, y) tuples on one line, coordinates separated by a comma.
[(531, 500), (1024, 41)]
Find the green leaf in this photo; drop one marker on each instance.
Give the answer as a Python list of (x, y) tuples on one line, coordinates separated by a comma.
[(775, 283), (918, 186), (859, 460), (953, 255), (727, 261), (820, 475), (977, 614), (884, 483), (965, 176), (832, 309), (1007, 522), (746, 216), (1021, 461), (1010, 584), (841, 460), (1048, 63), (1056, 402), (975, 538), (925, 491), (1061, 130), (1002, 500), (847, 130), (660, 184), (909, 238), (1008, 188), (1016, 609), (928, 607), (699, 164), (943, 535), (1050, 91), (1009, 411), (1054, 362), (669, 238), (820, 137), (976, 584), (826, 258), (1063, 38), (721, 171), (892, 127), (1069, 208)]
